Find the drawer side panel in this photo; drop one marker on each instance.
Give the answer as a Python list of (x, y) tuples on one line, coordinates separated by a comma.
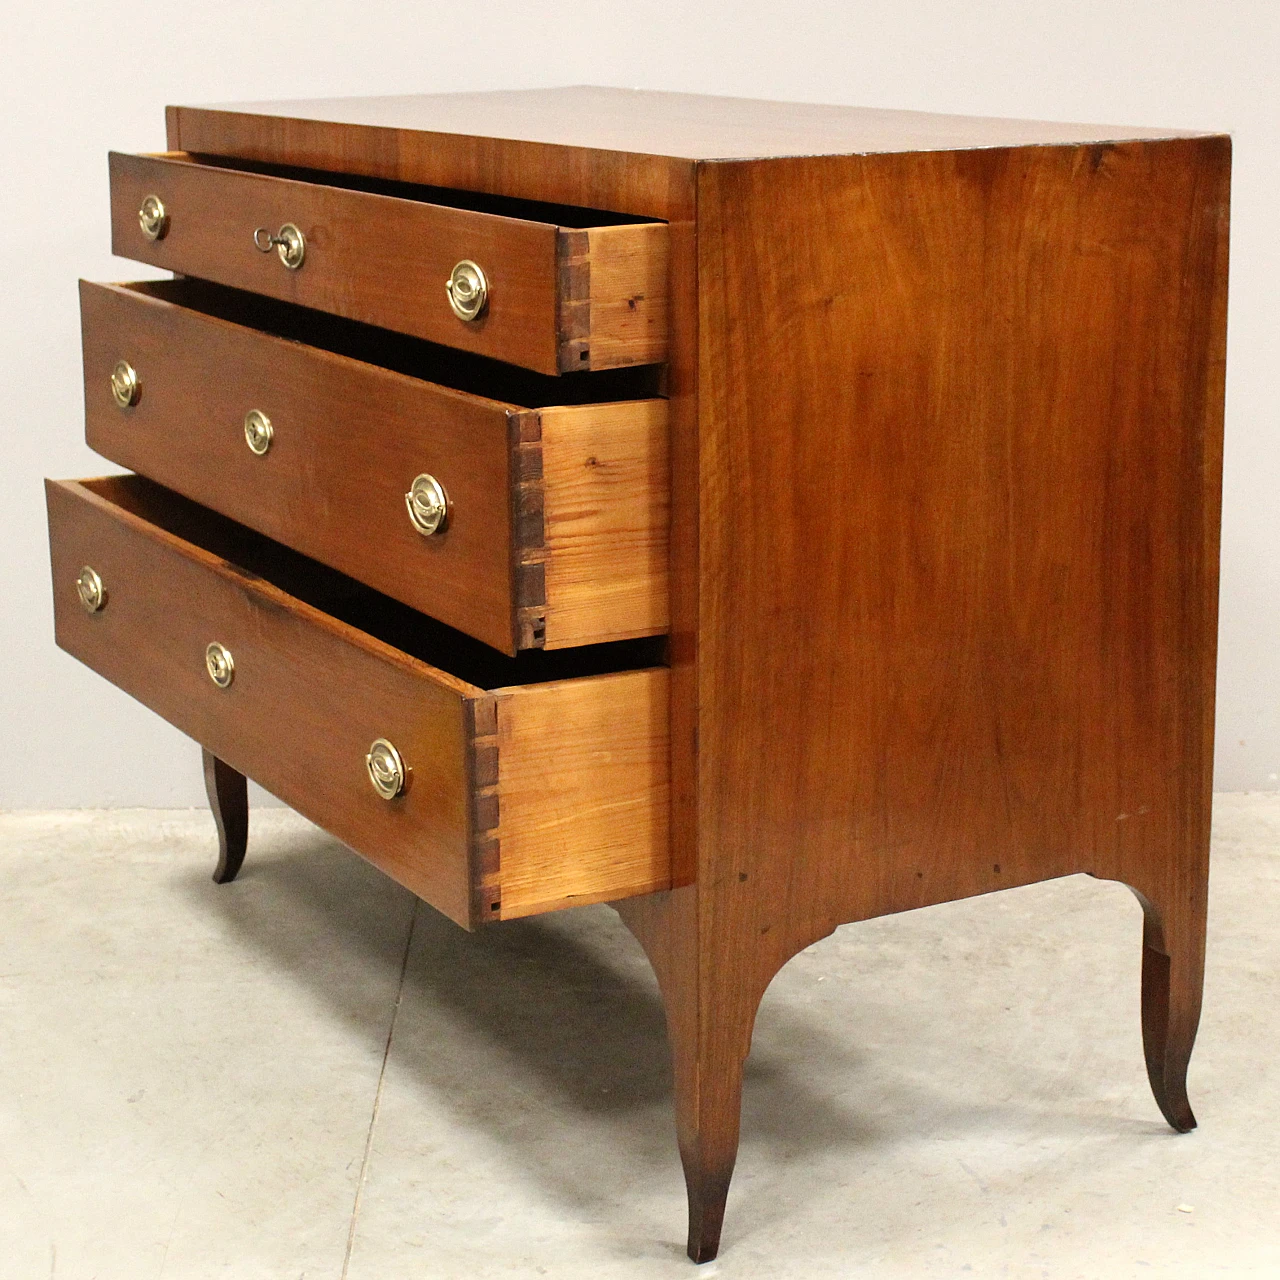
[(583, 791), (629, 303), (606, 478)]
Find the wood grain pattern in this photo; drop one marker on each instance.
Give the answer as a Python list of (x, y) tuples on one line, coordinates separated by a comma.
[(1001, 462), (613, 297), (348, 440), (531, 148), (594, 520), (582, 791), (536, 797), (309, 696), (945, 437), (653, 186), (978, 651), (617, 127), (385, 260)]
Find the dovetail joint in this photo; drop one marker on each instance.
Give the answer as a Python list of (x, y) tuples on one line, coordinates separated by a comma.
[(485, 815), (528, 522), (573, 321)]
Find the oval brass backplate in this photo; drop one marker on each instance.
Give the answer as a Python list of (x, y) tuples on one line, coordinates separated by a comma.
[(258, 431), (288, 242), (153, 218), (468, 290), (126, 389), (386, 769), (220, 665), (291, 246), (93, 595), (428, 504)]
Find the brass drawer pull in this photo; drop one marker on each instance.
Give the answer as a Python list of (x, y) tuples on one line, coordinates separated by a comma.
[(220, 665), (428, 504), (258, 431), (468, 290), (125, 386), (93, 595), (153, 218), (288, 242), (386, 769)]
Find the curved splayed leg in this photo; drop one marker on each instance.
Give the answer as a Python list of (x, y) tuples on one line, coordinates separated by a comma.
[(711, 1010), (228, 793), (1173, 937)]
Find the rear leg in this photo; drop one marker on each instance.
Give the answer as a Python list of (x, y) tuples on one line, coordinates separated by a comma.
[(1173, 938)]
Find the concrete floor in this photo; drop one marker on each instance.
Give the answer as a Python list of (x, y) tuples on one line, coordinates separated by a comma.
[(305, 1075)]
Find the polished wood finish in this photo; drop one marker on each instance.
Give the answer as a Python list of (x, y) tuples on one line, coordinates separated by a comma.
[(384, 260), (309, 696), (945, 446), (584, 563), (980, 652), (349, 437), (228, 793), (312, 692), (544, 145), (585, 139)]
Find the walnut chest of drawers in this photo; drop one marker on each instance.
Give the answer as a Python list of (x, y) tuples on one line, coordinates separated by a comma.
[(760, 517)]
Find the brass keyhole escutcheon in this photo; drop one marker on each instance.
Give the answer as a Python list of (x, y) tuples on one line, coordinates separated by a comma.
[(428, 504), (468, 290), (153, 218), (386, 769), (126, 389), (93, 595), (288, 242), (220, 665), (258, 431)]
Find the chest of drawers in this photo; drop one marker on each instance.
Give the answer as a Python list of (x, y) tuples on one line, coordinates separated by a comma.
[(760, 517)]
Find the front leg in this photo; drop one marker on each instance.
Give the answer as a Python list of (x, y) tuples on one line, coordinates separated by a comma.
[(711, 996), (229, 799)]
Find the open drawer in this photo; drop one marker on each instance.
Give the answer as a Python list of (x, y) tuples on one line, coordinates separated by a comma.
[(525, 784), (551, 288), (557, 509)]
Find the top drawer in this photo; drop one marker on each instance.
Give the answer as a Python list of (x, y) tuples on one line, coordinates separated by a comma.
[(556, 298)]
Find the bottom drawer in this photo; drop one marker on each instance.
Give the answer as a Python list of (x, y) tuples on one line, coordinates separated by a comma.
[(530, 783)]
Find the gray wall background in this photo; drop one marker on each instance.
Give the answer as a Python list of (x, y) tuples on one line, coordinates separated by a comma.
[(80, 79)]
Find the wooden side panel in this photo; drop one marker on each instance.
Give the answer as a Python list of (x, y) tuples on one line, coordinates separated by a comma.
[(348, 440), (960, 468), (373, 258), (603, 542), (583, 791), (309, 694)]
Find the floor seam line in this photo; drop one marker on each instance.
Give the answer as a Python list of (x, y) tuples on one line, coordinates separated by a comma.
[(377, 1095)]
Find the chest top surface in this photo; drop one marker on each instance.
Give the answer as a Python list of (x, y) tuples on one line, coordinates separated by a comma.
[(677, 125)]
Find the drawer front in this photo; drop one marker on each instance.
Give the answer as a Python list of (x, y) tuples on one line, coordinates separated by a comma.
[(558, 300), (556, 792), (347, 440)]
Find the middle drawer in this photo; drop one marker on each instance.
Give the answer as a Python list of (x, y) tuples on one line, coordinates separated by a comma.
[(555, 532)]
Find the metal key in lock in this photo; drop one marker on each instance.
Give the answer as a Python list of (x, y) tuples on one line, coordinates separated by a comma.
[(288, 242)]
